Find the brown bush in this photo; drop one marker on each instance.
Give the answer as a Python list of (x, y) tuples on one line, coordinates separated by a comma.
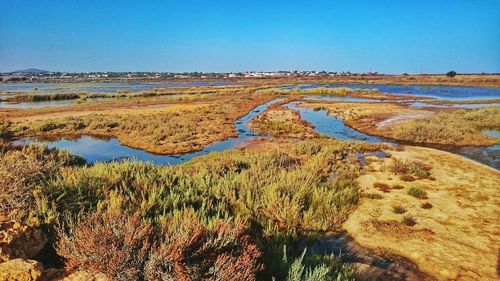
[(110, 243), (191, 251), (407, 178), (23, 170), (426, 205), (382, 187)]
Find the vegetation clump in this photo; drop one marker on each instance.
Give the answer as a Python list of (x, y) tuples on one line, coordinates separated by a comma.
[(398, 209), (460, 127), (417, 192), (409, 168), (409, 220), (426, 205), (218, 215), (382, 187)]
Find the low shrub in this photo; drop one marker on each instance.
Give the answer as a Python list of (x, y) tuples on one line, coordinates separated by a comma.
[(409, 168), (397, 186), (189, 250), (407, 178), (426, 205), (112, 243), (382, 187), (417, 192), (398, 209), (24, 171), (409, 220)]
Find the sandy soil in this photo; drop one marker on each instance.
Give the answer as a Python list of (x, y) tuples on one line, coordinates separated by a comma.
[(402, 117), (458, 238)]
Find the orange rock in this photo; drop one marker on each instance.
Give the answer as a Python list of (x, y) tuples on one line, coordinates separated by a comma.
[(20, 270), (18, 240)]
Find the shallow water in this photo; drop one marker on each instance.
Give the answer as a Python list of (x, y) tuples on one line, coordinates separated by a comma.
[(331, 125), (335, 127), (470, 106), (101, 150), (492, 133), (339, 99), (102, 87), (486, 155), (453, 93), (60, 103), (42, 104)]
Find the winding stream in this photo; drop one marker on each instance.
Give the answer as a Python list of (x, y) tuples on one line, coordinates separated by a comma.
[(105, 150)]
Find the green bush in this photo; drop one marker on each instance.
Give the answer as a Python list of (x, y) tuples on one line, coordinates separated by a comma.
[(417, 192)]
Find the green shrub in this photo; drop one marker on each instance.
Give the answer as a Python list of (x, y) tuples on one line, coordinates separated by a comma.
[(417, 192)]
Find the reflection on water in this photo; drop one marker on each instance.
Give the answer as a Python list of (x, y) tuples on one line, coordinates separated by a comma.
[(331, 125), (99, 150)]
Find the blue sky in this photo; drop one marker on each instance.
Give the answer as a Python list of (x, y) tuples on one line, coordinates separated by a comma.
[(389, 36)]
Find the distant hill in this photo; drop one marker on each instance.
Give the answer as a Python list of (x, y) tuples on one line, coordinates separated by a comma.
[(33, 70)]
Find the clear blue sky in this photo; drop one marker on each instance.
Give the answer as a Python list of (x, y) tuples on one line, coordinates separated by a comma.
[(389, 36)]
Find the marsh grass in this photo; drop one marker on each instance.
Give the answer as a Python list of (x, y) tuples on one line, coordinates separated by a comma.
[(461, 127), (172, 131), (240, 200)]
